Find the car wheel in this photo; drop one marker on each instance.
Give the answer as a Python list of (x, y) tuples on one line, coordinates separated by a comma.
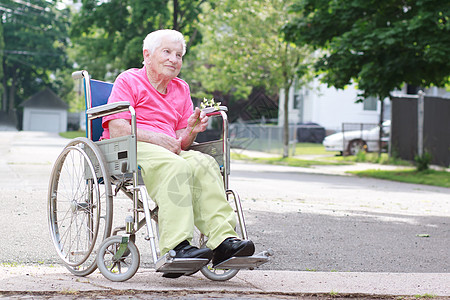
[(355, 146)]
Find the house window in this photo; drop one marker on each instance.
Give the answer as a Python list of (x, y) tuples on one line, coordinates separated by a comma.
[(298, 105), (298, 101), (370, 103)]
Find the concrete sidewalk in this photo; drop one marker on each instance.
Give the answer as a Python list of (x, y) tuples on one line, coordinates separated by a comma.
[(42, 280)]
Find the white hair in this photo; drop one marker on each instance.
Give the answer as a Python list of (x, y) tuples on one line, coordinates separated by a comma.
[(154, 39)]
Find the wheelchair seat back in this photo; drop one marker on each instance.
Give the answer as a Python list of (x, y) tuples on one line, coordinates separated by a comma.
[(100, 92), (119, 153)]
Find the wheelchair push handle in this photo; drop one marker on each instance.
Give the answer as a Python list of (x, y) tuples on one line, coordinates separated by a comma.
[(78, 74)]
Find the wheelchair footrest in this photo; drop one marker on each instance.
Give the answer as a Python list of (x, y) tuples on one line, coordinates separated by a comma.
[(169, 264), (246, 262)]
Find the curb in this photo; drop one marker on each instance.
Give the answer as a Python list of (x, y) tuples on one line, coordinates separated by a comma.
[(58, 280)]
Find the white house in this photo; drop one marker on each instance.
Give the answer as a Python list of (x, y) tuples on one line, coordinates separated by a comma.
[(45, 111), (330, 107)]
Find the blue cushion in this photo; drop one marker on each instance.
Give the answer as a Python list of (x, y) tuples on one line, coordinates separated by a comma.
[(100, 92)]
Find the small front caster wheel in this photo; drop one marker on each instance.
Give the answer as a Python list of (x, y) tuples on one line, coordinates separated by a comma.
[(118, 268)]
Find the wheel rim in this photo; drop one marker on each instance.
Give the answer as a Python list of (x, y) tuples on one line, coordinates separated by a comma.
[(74, 211), (355, 147), (120, 269), (79, 206)]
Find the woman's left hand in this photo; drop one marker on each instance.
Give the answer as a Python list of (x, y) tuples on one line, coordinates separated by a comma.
[(197, 122)]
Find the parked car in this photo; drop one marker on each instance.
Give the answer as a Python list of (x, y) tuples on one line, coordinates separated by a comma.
[(350, 142), (310, 133)]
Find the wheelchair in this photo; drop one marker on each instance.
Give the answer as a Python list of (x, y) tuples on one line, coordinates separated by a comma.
[(89, 173)]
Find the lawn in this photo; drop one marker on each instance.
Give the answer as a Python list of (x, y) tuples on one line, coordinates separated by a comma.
[(73, 134), (276, 147), (410, 175), (428, 177), (312, 149), (287, 161), (374, 158)]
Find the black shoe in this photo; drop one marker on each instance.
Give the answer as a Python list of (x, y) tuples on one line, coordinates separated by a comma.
[(232, 247), (185, 250)]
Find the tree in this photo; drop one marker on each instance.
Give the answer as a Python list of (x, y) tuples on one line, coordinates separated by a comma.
[(380, 44), (35, 37), (107, 35), (242, 49), (2, 46)]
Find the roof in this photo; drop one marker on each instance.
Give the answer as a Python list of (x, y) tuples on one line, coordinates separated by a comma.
[(45, 99)]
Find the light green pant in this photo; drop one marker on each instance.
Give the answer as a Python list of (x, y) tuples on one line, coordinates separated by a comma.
[(188, 189)]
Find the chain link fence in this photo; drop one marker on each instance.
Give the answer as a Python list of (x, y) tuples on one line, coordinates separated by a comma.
[(269, 138)]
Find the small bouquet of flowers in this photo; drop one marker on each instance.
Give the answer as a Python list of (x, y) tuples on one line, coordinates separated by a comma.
[(209, 105)]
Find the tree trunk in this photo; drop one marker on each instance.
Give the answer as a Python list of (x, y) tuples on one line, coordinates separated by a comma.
[(5, 90), (12, 95), (286, 122), (175, 15), (5, 95)]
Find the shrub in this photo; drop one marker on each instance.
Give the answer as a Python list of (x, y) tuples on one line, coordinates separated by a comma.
[(423, 161)]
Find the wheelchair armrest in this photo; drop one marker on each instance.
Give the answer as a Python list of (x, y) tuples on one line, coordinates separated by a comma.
[(108, 109), (212, 110)]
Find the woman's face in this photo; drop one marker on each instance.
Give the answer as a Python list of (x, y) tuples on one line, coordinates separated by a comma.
[(166, 61)]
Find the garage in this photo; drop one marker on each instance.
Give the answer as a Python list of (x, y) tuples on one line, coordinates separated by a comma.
[(45, 111)]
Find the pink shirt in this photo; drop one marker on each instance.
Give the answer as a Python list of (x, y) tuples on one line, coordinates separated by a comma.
[(163, 113)]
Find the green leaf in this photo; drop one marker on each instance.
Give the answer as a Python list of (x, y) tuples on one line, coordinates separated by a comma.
[(422, 235)]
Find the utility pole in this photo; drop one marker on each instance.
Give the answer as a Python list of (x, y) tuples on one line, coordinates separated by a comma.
[(420, 113)]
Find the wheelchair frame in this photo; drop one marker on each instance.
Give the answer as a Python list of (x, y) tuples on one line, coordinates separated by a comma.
[(80, 202)]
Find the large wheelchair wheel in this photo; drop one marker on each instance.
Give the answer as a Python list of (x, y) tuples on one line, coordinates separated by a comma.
[(118, 268), (79, 205)]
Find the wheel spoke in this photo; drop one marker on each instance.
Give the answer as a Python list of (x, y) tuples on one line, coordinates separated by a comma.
[(121, 269), (80, 212)]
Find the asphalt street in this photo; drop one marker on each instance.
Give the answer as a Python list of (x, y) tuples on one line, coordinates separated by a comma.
[(312, 221), (344, 223)]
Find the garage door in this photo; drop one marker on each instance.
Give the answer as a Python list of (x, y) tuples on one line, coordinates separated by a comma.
[(45, 121)]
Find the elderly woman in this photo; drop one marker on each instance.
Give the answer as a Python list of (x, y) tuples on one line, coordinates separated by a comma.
[(186, 185)]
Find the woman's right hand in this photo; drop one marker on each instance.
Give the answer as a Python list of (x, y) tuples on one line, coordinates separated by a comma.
[(121, 127), (168, 142)]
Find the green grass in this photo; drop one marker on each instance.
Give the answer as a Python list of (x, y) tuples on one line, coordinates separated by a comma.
[(410, 175), (428, 177), (72, 134), (288, 161), (374, 158), (312, 149), (425, 296), (277, 147)]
